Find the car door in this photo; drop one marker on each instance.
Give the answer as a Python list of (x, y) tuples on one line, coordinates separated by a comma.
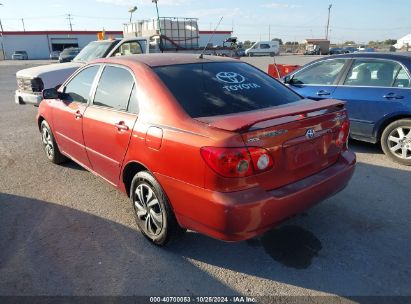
[(318, 80), (109, 120), (68, 114), (374, 89)]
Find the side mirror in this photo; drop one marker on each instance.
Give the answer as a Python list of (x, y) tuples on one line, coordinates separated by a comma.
[(50, 93)]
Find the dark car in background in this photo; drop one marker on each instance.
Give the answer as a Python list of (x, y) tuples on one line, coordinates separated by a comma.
[(377, 89), (68, 55), (350, 49), (336, 51), (20, 55)]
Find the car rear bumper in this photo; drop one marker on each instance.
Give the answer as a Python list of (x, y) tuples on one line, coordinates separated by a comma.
[(241, 215), (29, 98)]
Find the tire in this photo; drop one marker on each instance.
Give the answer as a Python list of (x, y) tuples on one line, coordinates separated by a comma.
[(396, 141), (50, 147), (152, 210), (272, 54)]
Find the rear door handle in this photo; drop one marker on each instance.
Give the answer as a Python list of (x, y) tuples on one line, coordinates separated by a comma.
[(393, 96), (121, 126), (78, 115), (323, 93)]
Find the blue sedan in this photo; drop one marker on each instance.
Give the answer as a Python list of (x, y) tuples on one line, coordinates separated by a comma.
[(377, 89)]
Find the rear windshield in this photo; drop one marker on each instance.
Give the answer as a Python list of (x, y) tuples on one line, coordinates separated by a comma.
[(220, 88)]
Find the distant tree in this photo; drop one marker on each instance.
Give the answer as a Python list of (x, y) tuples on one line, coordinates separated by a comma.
[(390, 41), (349, 42), (280, 41), (247, 44)]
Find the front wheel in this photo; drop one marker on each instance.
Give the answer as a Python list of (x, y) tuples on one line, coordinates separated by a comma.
[(152, 210), (396, 141), (49, 144)]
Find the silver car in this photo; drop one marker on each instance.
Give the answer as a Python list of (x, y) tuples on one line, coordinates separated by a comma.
[(20, 55)]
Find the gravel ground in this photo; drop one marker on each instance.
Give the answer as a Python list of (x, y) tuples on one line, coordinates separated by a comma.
[(64, 231)]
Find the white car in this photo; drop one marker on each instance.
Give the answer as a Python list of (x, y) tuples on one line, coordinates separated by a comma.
[(32, 81), (271, 48)]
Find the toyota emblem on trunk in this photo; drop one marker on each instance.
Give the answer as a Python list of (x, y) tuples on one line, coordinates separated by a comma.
[(310, 133)]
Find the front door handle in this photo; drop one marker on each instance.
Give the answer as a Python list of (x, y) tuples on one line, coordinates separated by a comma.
[(78, 115), (121, 126), (393, 96), (323, 93)]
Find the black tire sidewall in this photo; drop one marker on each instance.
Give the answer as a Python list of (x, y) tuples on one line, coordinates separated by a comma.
[(144, 177), (384, 140), (57, 156)]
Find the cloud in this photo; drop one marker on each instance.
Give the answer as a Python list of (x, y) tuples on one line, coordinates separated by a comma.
[(280, 5), (144, 2)]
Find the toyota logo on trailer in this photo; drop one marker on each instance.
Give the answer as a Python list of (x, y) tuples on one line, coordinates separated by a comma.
[(230, 77), (310, 133)]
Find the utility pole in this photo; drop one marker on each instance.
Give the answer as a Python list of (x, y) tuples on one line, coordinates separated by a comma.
[(22, 21), (2, 38), (269, 32), (328, 21), (69, 19), (158, 16)]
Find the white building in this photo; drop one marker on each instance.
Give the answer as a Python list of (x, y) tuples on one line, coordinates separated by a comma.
[(39, 44), (403, 42)]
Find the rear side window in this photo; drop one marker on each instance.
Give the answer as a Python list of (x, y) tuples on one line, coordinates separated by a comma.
[(375, 73), (220, 88), (114, 88), (78, 89)]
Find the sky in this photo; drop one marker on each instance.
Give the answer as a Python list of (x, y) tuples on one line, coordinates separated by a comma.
[(295, 20)]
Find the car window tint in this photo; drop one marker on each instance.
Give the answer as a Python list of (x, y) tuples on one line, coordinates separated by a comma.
[(133, 103), (320, 73), (114, 88), (402, 80), (78, 89), (374, 73), (264, 46), (219, 88)]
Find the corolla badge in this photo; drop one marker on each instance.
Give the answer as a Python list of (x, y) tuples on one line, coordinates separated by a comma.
[(310, 133), (230, 77)]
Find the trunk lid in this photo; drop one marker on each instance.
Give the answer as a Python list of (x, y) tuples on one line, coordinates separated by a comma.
[(301, 138)]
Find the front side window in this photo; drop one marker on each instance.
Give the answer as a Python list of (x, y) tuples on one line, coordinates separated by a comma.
[(129, 48), (374, 73), (220, 88), (320, 73), (264, 46), (114, 88), (78, 89)]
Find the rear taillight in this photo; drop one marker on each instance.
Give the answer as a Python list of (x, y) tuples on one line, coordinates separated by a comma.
[(237, 162), (342, 136)]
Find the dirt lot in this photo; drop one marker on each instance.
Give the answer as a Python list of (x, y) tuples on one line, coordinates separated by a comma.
[(64, 231)]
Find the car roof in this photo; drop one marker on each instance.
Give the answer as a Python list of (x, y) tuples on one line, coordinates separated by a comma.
[(164, 59), (403, 57)]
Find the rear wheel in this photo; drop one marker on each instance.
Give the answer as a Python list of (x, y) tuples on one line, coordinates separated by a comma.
[(49, 144), (396, 141), (152, 210)]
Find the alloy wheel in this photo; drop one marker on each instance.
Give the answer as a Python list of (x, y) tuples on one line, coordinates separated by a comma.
[(148, 210), (399, 142), (47, 142)]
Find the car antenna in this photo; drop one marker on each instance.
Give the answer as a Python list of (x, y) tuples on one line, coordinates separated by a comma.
[(211, 37)]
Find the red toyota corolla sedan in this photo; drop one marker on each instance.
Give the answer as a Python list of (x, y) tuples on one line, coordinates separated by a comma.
[(208, 144)]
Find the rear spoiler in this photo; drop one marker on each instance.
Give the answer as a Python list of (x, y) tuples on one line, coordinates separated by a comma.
[(244, 121)]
